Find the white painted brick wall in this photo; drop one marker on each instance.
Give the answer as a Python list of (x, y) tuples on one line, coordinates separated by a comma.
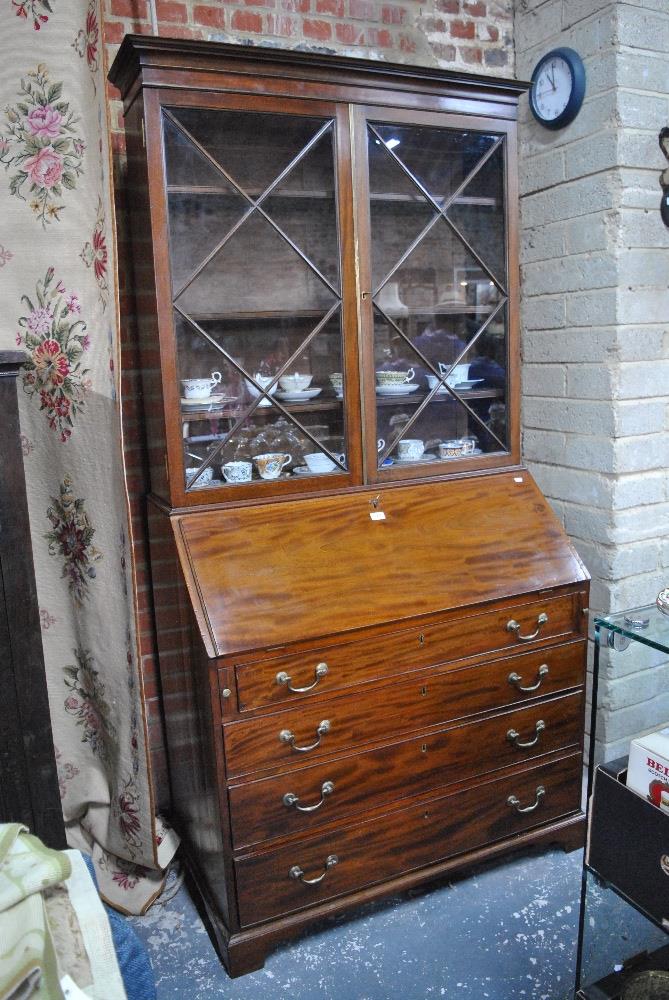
[(595, 320)]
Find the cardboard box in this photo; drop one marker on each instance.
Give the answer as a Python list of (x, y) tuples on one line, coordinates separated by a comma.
[(648, 768), (628, 842)]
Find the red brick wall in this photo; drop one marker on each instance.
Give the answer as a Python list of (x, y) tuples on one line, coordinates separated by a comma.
[(475, 35)]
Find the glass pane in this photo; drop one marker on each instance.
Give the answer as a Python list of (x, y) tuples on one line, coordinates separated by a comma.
[(439, 159), (202, 206), (256, 273), (217, 426), (478, 213), (252, 148), (270, 445), (399, 212), (437, 284), (303, 205)]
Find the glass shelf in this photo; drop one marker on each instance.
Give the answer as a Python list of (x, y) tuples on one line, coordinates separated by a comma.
[(655, 635), (604, 945)]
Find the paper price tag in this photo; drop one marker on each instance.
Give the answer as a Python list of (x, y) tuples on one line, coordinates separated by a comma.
[(377, 515)]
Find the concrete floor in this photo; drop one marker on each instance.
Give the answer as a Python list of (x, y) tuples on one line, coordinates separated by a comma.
[(509, 931)]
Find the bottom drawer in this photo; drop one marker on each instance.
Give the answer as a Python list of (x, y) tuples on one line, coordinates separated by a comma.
[(272, 884)]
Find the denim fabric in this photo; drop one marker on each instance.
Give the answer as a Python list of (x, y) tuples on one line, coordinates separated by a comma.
[(133, 958)]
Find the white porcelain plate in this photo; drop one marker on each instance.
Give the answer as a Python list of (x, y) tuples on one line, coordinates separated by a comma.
[(201, 402), (298, 395), (304, 470), (426, 457), (397, 390)]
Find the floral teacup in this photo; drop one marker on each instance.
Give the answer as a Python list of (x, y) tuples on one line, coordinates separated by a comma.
[(200, 388), (237, 472), (271, 464)]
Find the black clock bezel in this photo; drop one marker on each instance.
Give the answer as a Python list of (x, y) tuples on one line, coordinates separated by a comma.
[(577, 71)]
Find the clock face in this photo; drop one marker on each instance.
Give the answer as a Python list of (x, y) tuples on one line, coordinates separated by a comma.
[(552, 88), (557, 88)]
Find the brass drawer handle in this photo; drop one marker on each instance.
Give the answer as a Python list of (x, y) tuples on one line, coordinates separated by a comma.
[(283, 678), (514, 801), (514, 626), (513, 736), (287, 737), (297, 873), (515, 680), (290, 799)]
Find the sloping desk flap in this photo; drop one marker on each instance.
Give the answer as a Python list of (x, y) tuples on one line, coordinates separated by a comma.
[(270, 574)]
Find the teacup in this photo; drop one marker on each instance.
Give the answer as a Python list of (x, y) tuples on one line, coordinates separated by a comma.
[(237, 472), (433, 381), (264, 381), (337, 382), (271, 464), (453, 448), (380, 444), (470, 443), (394, 378), (459, 373), (205, 476), (200, 388), (410, 449), (318, 462), (295, 382)]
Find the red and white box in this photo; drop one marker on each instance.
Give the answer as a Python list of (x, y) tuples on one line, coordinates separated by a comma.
[(648, 768)]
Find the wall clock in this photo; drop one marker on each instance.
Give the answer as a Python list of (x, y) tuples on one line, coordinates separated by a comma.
[(557, 88)]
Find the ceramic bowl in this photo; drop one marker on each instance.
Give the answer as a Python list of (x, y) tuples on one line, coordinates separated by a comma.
[(295, 382)]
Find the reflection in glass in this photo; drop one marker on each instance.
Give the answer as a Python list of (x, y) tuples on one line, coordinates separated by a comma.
[(256, 284), (439, 269)]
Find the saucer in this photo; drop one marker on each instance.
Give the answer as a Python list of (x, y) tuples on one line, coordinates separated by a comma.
[(201, 401), (297, 395), (204, 486), (397, 390), (449, 458), (469, 384), (304, 470), (428, 456)]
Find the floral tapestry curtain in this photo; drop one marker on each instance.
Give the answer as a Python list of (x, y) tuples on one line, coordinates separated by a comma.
[(58, 304)]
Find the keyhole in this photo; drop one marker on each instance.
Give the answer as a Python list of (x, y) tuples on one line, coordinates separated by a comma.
[(423, 749), (375, 501), (426, 815), (423, 690), (421, 639)]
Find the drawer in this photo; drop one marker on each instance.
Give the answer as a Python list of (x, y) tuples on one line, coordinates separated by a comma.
[(366, 853), (413, 701), (269, 682), (349, 785)]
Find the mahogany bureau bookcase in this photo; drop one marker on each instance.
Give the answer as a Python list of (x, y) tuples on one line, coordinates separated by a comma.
[(371, 625)]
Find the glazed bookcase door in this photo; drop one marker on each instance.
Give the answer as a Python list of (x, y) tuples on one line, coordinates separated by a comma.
[(436, 294), (256, 288)]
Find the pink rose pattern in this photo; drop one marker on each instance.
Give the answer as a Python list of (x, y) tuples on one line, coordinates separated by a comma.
[(46, 619), (41, 144), (71, 538), (57, 341), (94, 254), (66, 772), (30, 10), (43, 151), (86, 703)]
